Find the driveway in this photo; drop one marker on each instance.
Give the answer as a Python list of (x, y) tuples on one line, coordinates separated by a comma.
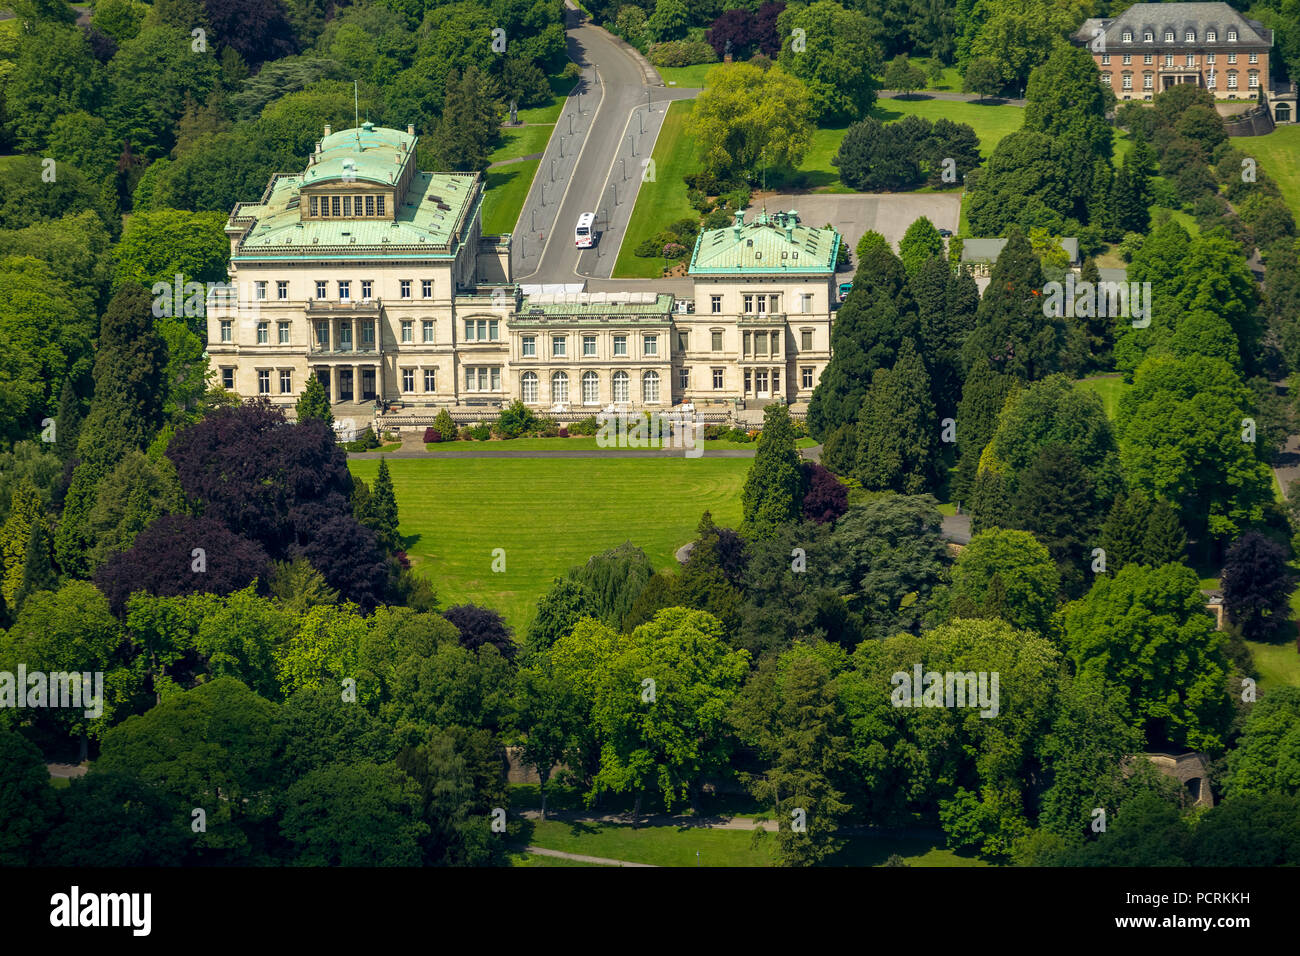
[(854, 214), (594, 160)]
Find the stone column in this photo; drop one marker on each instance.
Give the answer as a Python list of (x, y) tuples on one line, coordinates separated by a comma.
[(356, 383)]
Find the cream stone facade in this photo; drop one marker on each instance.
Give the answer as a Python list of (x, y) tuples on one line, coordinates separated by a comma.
[(375, 278)]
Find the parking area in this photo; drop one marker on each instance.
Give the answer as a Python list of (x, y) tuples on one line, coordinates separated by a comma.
[(854, 214)]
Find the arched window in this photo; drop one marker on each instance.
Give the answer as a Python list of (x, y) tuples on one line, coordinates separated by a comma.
[(650, 387), (528, 385), (622, 387), (560, 387), (590, 388)]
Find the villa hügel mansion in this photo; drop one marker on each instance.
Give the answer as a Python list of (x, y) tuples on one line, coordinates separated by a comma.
[(376, 278)]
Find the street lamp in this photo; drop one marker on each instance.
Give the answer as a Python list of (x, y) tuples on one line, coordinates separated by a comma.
[(632, 140), (641, 121), (532, 222), (647, 101), (552, 170), (623, 165)]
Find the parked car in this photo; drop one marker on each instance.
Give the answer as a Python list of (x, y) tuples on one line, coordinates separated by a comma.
[(945, 232), (845, 289)]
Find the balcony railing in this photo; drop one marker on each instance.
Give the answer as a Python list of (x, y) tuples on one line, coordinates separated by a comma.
[(346, 305)]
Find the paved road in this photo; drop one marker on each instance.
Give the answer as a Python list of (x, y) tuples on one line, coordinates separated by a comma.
[(593, 162)]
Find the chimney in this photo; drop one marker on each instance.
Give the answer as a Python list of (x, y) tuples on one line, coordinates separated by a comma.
[(410, 129), (328, 130)]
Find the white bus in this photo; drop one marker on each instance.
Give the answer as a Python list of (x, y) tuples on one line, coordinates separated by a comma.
[(584, 234)]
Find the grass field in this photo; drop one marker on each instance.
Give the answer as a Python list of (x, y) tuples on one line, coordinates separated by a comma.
[(521, 141), (991, 121), (663, 201), (548, 515), (1277, 155), (1109, 387), (687, 77), (677, 846), (507, 188), (1279, 664)]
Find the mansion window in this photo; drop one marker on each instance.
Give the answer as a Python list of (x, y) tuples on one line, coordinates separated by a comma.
[(1148, 81), (683, 378), (1169, 36), (225, 330), (321, 291), (367, 289), (430, 379), (651, 345), (760, 343), (345, 291), (715, 304), (426, 331), (683, 340), (748, 304), (558, 349), (716, 339), (1148, 37), (286, 381), (322, 335), (620, 345), (368, 334), (1232, 36), (259, 289), (1232, 58), (1232, 79), (1190, 36), (746, 347), (282, 290), (805, 378), (408, 331), (806, 340), (776, 380), (1254, 58), (426, 288), (528, 387), (482, 330), (1128, 58), (1211, 81), (1128, 36), (1191, 59), (1148, 58), (405, 286), (345, 337), (408, 379), (282, 333), (622, 387), (528, 346), (228, 378), (1211, 36), (315, 206), (590, 388), (1105, 59), (263, 332), (650, 387), (1209, 59), (718, 375), (336, 205), (1254, 80), (1128, 81), (370, 205), (482, 378), (263, 381), (1169, 59), (1105, 78), (560, 387), (589, 345)]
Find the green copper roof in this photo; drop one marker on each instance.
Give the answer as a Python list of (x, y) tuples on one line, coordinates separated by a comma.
[(766, 244), (372, 154)]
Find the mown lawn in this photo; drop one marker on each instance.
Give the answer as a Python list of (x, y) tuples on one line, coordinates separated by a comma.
[(1109, 387), (687, 77), (1278, 664), (677, 846), (519, 141), (507, 188), (548, 515), (662, 201), (1278, 154), (533, 859), (991, 121)]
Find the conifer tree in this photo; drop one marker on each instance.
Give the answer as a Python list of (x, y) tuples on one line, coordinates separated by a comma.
[(1164, 541), (983, 396), (314, 404), (68, 421), (383, 506), (898, 430), (25, 513), (1123, 533), (1055, 501), (770, 497)]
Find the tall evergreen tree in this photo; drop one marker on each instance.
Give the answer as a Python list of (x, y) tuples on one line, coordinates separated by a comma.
[(25, 513), (919, 244), (1257, 585), (1012, 331), (313, 403), (983, 396), (898, 430), (1055, 501), (383, 506), (1123, 533), (1101, 210), (946, 304), (125, 412), (1164, 541), (1098, 329), (469, 121), (1131, 213), (770, 497), (869, 327), (68, 421), (38, 565)]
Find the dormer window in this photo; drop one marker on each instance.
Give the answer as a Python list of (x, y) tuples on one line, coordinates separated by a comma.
[(1211, 36), (1169, 36), (1190, 36), (1148, 37), (315, 209), (1128, 36), (1232, 36)]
